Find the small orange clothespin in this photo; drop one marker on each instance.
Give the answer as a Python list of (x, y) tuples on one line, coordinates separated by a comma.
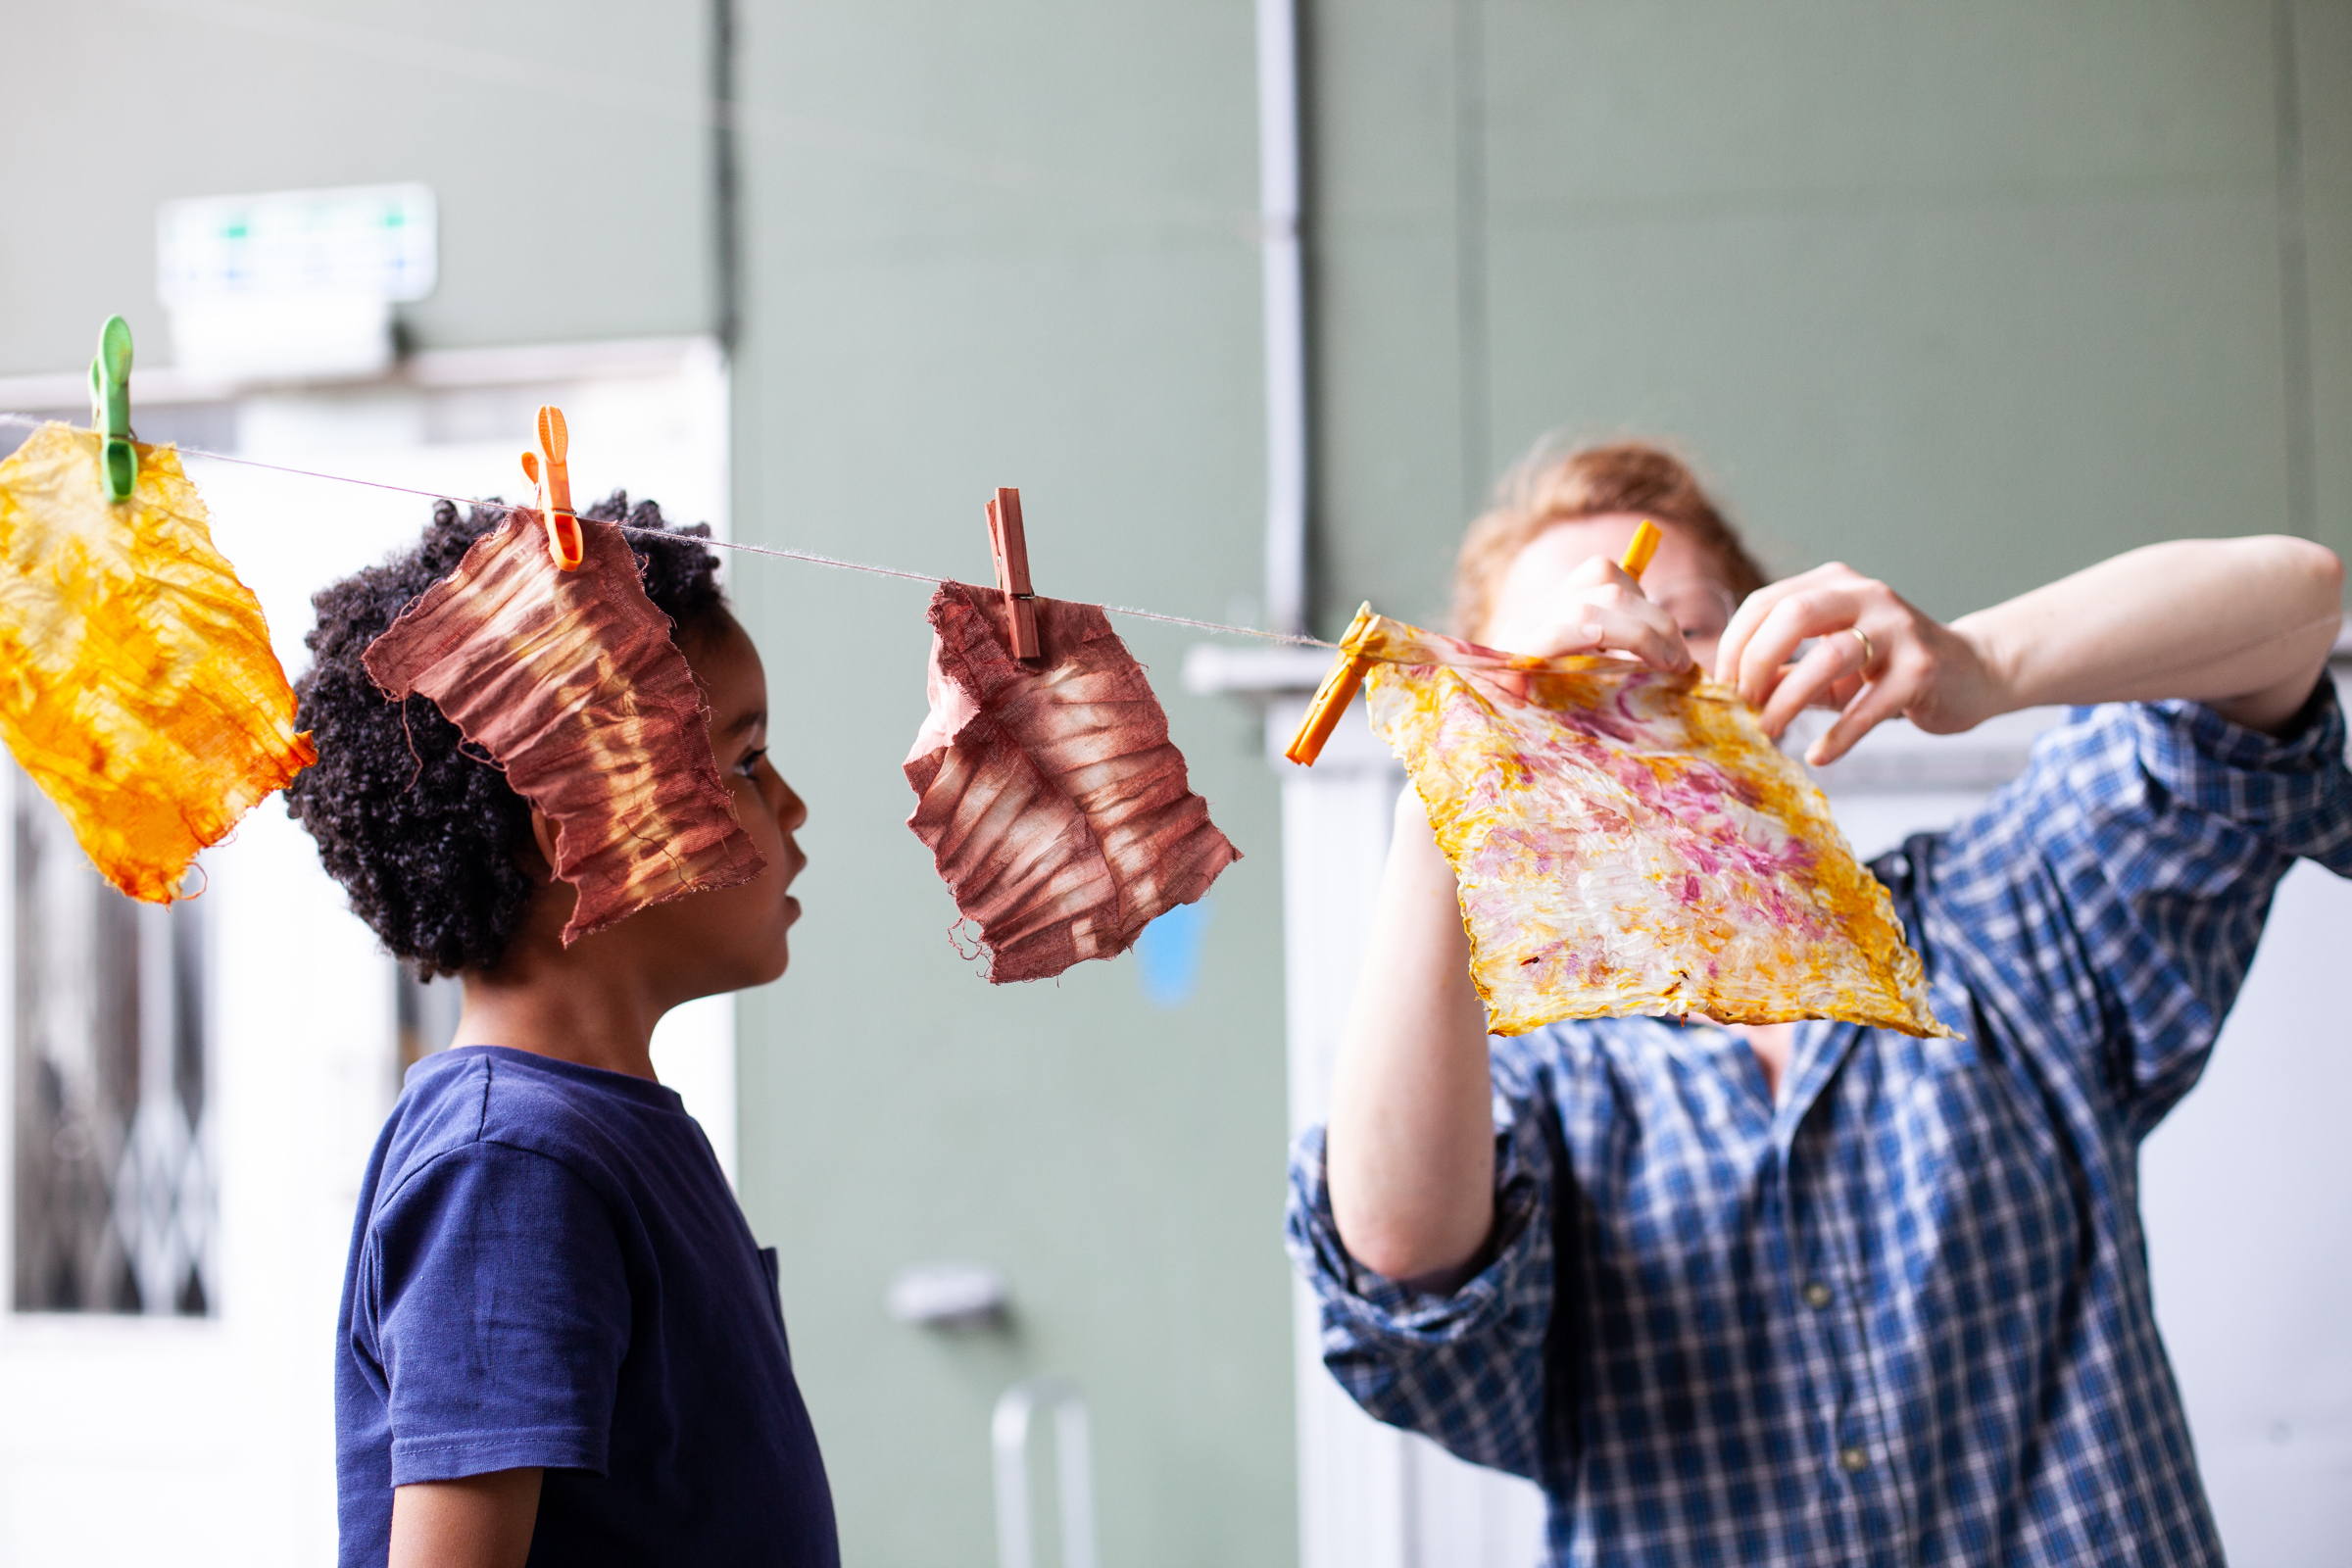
[(1332, 699), (1011, 547), (1639, 548), (1348, 670), (549, 468)]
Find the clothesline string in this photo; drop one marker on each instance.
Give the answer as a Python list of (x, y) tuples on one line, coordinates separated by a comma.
[(808, 556)]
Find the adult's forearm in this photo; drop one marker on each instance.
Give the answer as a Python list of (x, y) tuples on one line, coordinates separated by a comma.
[(2243, 624), (1410, 1146)]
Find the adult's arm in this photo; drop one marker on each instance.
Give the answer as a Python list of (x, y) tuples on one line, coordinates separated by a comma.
[(1462, 1363), (2241, 625), (1411, 1143), (1409, 1147), (479, 1522)]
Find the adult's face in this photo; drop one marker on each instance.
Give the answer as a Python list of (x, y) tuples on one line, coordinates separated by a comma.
[(1563, 593)]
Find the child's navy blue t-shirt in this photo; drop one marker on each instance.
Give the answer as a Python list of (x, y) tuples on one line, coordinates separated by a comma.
[(549, 1269)]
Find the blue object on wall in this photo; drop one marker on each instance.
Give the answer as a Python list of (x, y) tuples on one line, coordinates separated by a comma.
[(1167, 954)]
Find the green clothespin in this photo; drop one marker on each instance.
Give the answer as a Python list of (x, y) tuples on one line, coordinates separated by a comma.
[(110, 406)]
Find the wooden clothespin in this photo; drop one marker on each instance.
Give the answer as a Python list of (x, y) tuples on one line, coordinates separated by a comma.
[(1011, 547), (110, 407), (1348, 670), (549, 468)]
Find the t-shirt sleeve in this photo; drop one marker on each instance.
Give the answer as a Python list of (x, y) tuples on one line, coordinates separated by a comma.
[(2109, 901), (498, 1309)]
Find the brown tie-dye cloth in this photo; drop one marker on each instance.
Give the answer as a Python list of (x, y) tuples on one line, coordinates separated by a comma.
[(1050, 797), (569, 680)]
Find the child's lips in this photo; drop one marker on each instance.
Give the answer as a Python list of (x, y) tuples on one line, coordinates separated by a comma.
[(796, 861)]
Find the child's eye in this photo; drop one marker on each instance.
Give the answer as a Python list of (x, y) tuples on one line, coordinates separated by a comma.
[(749, 767)]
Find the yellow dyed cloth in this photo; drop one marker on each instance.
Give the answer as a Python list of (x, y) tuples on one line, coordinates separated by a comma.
[(1630, 842), (137, 687)]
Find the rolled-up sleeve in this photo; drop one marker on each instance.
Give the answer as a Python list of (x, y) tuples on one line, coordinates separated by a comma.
[(1464, 1369), (2113, 896)]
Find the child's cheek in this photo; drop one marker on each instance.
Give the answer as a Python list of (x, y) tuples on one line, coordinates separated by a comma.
[(753, 811)]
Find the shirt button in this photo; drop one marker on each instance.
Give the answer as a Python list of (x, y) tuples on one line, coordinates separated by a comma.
[(1853, 1461), (1817, 1296)]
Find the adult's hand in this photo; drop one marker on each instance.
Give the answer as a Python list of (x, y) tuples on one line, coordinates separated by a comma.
[(1596, 609), (2242, 624), (1874, 656)]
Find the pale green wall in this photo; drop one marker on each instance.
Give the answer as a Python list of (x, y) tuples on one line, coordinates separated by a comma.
[(1011, 245), (563, 140), (2323, 32), (1964, 294), (984, 245)]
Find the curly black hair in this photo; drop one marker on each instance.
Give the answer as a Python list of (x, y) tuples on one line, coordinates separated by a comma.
[(426, 836)]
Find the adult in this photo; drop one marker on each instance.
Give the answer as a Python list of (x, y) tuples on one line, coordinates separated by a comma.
[(1814, 1292)]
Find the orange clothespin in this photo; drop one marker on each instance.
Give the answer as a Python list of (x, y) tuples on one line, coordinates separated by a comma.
[(1333, 697), (1348, 670), (549, 468), (1011, 547), (1639, 548)]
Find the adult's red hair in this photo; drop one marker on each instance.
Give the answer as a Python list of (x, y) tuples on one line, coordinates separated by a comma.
[(1550, 487)]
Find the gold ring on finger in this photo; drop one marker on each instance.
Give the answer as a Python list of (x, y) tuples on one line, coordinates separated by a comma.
[(1870, 654)]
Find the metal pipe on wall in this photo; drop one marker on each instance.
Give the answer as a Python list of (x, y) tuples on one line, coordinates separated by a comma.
[(1284, 286), (726, 213)]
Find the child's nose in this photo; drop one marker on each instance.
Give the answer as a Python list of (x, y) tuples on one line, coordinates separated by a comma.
[(793, 811)]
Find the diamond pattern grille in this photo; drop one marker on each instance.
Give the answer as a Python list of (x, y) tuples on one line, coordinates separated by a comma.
[(113, 1194)]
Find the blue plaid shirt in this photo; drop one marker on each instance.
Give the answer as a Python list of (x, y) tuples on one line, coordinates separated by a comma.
[(1902, 1316)]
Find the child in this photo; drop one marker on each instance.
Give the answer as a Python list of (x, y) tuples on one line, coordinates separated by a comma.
[(559, 1342)]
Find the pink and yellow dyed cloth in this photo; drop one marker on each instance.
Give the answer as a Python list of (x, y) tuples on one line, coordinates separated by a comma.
[(1628, 841)]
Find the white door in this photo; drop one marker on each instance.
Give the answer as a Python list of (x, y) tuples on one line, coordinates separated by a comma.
[(192, 1095)]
